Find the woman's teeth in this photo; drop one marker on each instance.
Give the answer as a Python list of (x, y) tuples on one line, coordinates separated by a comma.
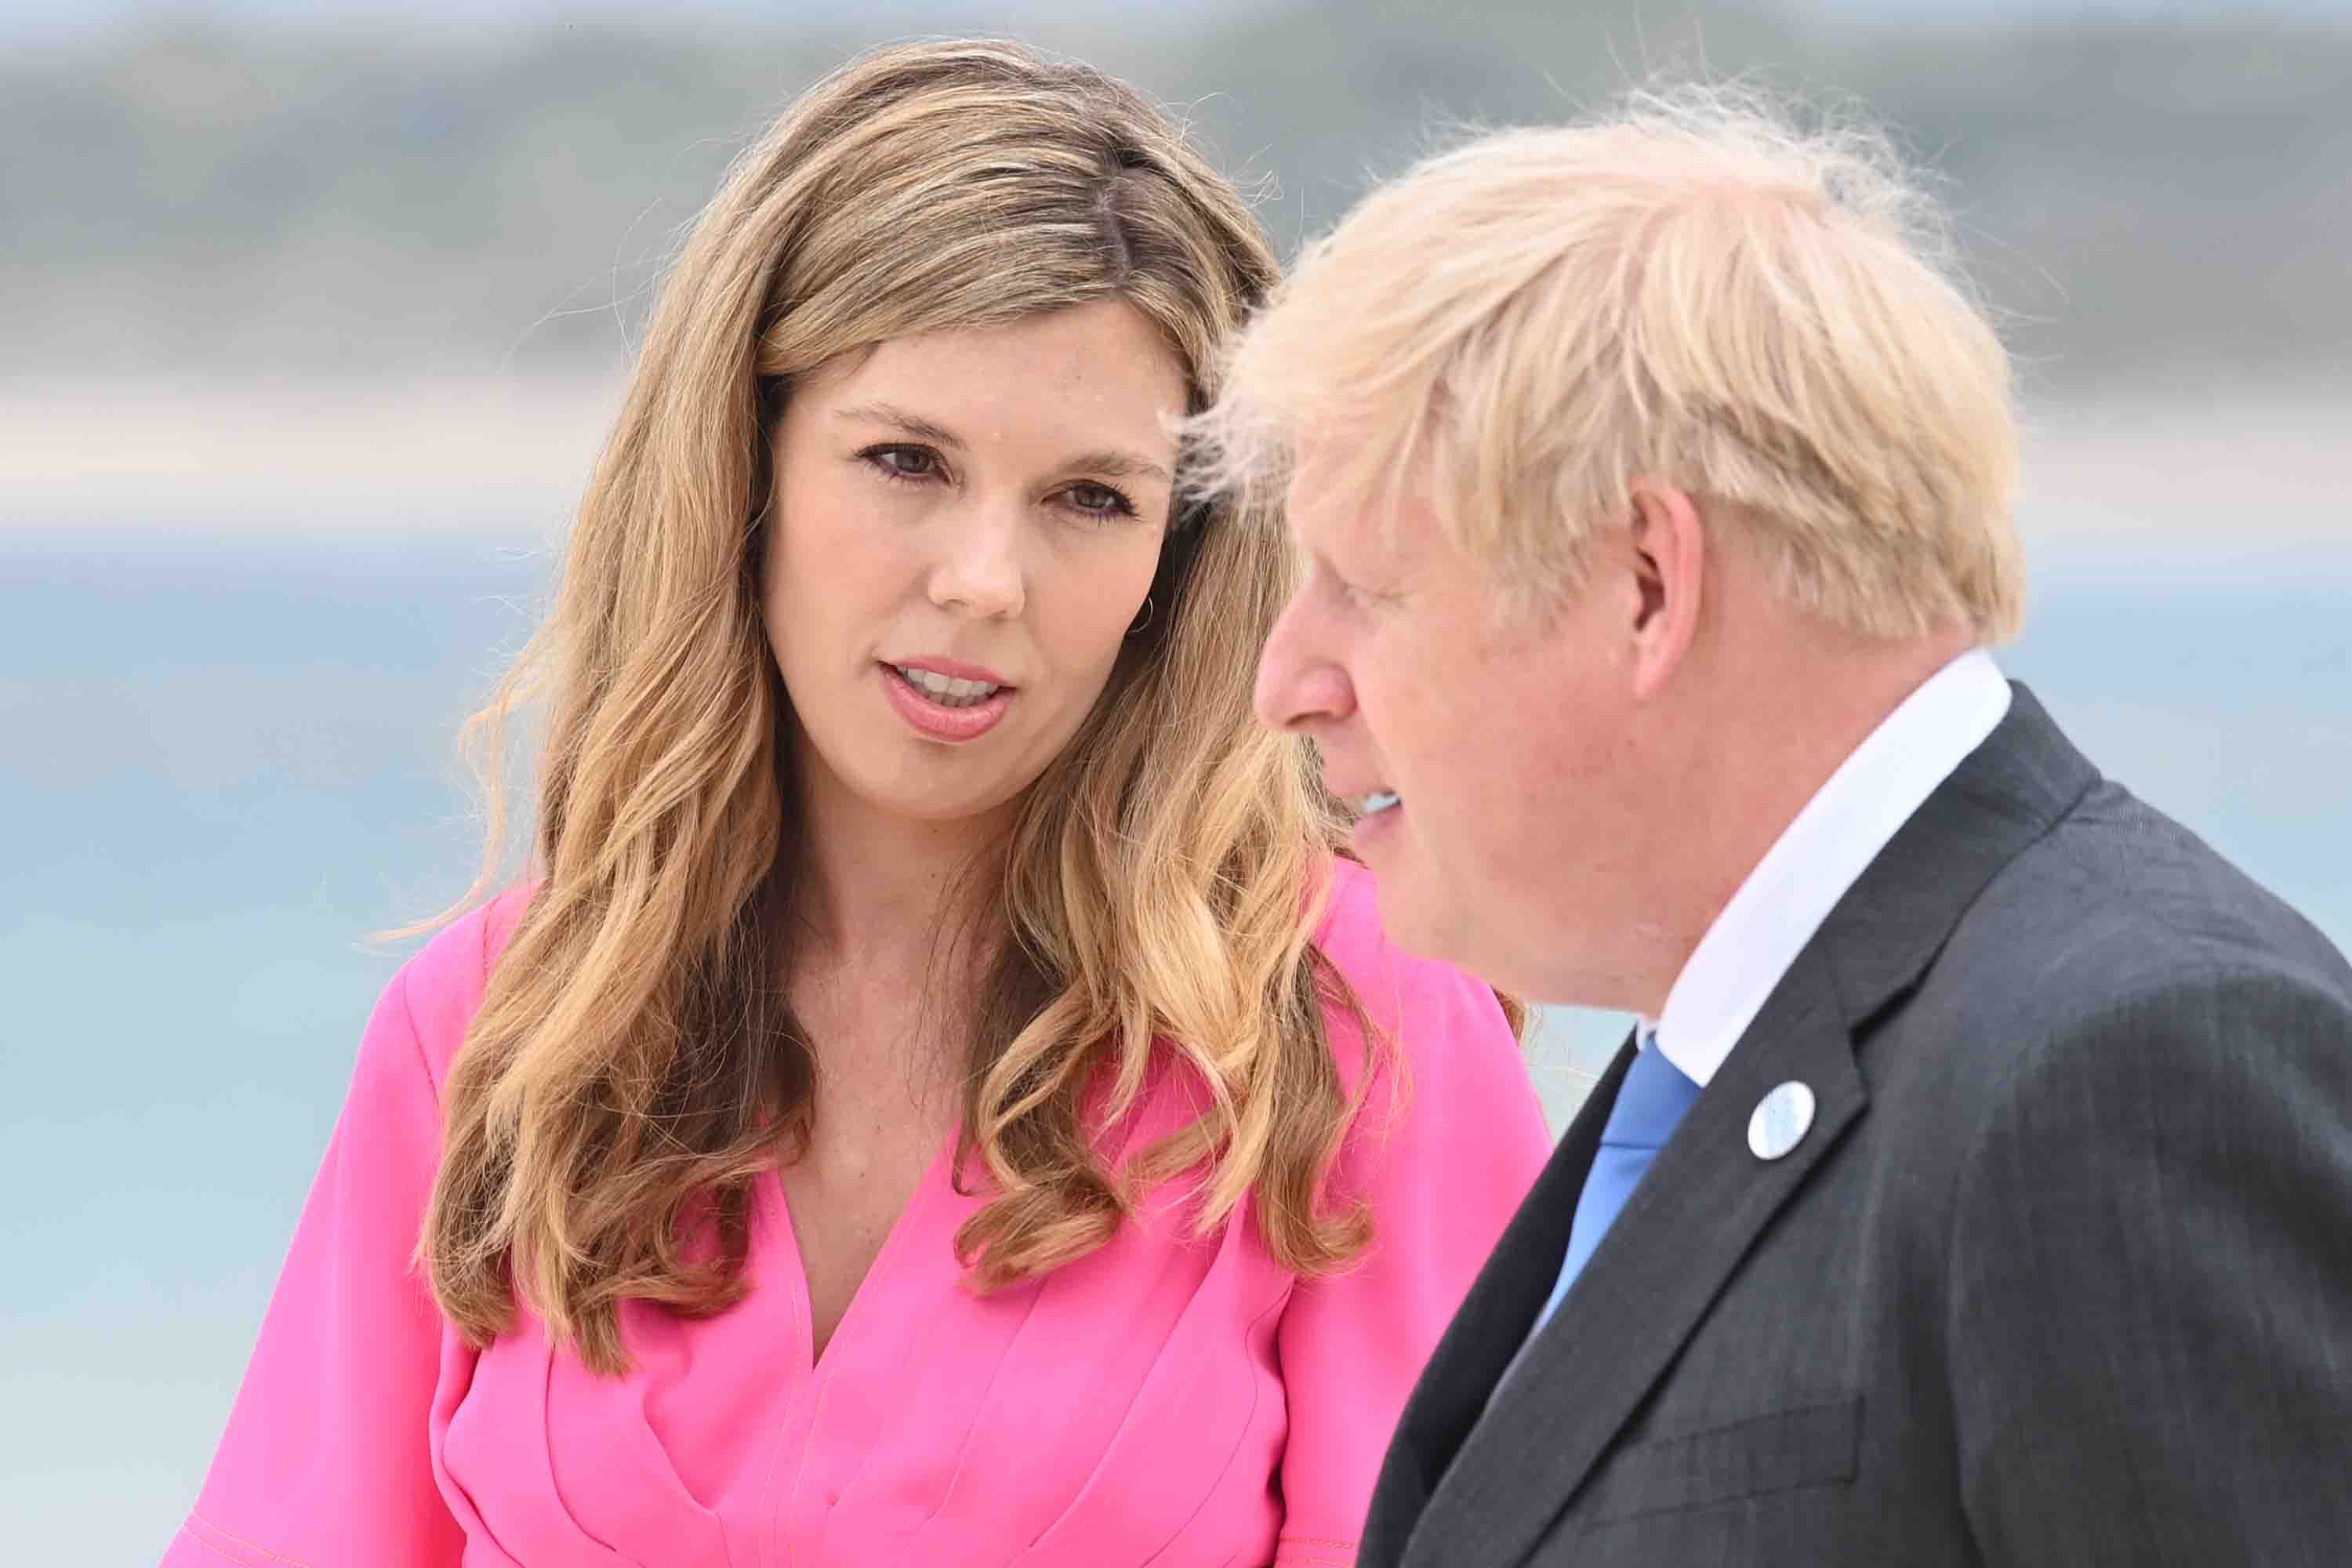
[(1379, 801), (946, 690)]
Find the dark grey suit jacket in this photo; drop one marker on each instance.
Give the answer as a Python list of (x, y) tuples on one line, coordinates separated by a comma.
[(2062, 1272)]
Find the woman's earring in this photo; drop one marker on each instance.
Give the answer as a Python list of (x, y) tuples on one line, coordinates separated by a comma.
[(1143, 619)]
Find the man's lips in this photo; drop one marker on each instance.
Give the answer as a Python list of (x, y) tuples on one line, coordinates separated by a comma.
[(1369, 800), (1378, 812)]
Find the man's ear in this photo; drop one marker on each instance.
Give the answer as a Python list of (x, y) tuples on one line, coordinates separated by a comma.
[(1669, 561)]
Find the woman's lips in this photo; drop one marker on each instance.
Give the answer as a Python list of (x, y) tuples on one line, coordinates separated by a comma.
[(935, 719), (954, 669)]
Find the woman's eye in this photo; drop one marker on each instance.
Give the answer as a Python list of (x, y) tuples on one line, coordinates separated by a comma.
[(1100, 500), (904, 462)]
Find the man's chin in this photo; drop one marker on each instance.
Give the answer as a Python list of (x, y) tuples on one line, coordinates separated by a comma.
[(1417, 920), (1429, 923)]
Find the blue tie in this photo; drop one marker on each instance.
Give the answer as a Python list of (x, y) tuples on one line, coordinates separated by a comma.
[(1650, 1103)]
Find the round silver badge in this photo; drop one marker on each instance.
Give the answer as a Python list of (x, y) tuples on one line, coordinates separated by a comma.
[(1781, 1122)]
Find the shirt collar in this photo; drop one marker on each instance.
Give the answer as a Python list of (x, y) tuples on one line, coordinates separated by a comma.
[(1829, 844)]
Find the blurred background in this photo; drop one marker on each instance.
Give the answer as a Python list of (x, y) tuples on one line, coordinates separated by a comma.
[(311, 317)]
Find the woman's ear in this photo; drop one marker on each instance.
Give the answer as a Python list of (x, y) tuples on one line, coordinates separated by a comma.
[(1178, 545)]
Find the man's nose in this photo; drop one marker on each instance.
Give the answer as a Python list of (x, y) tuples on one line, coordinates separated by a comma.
[(981, 570), (1299, 685)]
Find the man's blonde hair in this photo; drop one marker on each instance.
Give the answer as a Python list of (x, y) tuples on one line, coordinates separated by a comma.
[(1691, 289)]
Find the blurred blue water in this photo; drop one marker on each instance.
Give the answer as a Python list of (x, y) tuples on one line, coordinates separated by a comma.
[(222, 765)]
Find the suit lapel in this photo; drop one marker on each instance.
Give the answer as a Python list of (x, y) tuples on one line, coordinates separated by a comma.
[(1688, 1224), (1452, 1393)]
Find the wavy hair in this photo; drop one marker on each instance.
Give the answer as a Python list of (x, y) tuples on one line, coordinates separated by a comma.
[(633, 1067)]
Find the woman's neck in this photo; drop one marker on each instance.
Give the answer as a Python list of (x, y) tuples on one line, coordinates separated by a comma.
[(885, 895)]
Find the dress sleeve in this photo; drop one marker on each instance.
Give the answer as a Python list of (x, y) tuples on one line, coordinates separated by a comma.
[(1443, 1159), (326, 1462)]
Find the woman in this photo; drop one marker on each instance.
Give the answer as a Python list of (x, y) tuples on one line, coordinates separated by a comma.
[(941, 1100)]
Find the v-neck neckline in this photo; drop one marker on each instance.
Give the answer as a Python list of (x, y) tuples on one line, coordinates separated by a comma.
[(1111, 1143), (811, 1363)]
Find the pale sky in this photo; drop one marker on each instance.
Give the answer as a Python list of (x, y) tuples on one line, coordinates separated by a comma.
[(28, 20)]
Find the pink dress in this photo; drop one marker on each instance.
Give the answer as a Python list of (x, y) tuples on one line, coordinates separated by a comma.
[(1165, 1400)]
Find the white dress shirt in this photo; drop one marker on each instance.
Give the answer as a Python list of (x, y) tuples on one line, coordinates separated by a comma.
[(1748, 949)]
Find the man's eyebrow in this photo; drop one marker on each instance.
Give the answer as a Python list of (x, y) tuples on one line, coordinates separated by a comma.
[(914, 425)]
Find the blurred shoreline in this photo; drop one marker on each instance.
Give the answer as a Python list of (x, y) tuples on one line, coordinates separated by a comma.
[(459, 455), (2164, 476)]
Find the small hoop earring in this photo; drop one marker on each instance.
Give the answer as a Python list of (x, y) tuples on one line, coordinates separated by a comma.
[(1143, 619)]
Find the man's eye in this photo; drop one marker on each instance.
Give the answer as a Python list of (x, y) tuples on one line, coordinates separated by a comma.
[(1363, 599)]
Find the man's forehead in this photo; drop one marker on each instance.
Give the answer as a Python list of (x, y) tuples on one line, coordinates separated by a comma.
[(1359, 530)]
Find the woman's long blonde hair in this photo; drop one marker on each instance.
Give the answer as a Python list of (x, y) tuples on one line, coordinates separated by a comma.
[(634, 1066)]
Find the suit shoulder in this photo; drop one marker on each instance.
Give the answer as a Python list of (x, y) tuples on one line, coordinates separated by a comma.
[(2117, 934), (2118, 900), (2225, 1062)]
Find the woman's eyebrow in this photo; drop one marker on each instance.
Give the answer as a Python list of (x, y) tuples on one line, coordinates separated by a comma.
[(1110, 462), (914, 425)]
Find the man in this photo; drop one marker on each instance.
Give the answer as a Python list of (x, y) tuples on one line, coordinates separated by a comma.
[(1978, 1188)]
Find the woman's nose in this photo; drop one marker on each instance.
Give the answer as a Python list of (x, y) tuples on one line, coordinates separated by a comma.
[(981, 570)]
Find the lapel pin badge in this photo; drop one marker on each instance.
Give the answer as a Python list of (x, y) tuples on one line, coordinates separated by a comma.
[(1781, 1122)]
